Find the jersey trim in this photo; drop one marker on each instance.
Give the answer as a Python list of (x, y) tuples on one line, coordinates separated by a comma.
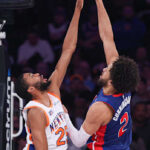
[(51, 104), (114, 95), (109, 106), (117, 95), (30, 135), (47, 118), (55, 95), (28, 147), (95, 142)]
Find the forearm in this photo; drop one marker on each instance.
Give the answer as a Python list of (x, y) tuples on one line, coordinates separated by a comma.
[(69, 46), (70, 40), (104, 24), (106, 33), (78, 137)]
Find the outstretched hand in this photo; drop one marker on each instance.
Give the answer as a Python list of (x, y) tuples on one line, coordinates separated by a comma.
[(79, 4)]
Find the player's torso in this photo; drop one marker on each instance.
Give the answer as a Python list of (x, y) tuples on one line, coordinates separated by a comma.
[(56, 126), (116, 135)]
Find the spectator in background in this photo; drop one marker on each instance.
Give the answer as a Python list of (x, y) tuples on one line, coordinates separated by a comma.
[(85, 71), (43, 68), (34, 47), (80, 109), (129, 31), (141, 93), (140, 122), (96, 72), (146, 71), (141, 55), (141, 5), (76, 85), (148, 111), (90, 40), (57, 28), (21, 143), (137, 142), (148, 88)]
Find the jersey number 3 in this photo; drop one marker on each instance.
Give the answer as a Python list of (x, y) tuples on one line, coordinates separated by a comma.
[(124, 118)]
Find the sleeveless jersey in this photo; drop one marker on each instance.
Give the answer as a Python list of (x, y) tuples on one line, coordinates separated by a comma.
[(117, 134), (56, 127)]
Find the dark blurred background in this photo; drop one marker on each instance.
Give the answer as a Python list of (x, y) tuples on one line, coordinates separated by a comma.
[(34, 41)]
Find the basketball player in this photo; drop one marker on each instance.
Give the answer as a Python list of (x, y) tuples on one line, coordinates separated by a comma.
[(108, 124), (44, 115)]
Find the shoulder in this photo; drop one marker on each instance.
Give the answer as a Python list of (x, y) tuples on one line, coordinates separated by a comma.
[(34, 111), (100, 112), (37, 115), (33, 108), (23, 46), (100, 107)]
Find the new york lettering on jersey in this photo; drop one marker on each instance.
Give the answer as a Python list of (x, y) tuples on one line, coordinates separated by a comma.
[(117, 134), (56, 127)]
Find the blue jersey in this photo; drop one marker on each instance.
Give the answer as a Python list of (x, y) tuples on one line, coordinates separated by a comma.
[(117, 134)]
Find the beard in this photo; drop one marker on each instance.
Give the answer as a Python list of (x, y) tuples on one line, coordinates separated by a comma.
[(43, 86), (102, 82)]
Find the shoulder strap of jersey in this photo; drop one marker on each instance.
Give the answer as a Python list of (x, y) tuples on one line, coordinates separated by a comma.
[(53, 96), (34, 104)]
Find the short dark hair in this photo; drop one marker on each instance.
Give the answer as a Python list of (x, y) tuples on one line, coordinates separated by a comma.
[(124, 75), (21, 88)]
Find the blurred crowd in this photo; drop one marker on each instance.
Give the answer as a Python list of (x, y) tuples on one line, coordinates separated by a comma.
[(34, 42)]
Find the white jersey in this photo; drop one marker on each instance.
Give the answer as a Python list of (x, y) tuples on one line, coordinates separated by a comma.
[(56, 127)]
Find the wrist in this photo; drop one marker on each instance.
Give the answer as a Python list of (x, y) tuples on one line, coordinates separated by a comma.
[(78, 10)]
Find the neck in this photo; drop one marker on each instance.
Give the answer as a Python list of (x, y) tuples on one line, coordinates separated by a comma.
[(43, 98), (109, 90)]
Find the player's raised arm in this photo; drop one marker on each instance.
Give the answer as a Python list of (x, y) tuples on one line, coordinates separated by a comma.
[(69, 47), (106, 33)]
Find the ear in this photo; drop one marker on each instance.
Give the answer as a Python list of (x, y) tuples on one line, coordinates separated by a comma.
[(31, 89)]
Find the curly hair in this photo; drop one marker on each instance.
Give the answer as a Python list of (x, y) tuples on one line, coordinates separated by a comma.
[(21, 88), (124, 75)]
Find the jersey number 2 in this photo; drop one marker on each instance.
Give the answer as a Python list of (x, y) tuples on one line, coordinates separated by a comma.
[(62, 132), (124, 118)]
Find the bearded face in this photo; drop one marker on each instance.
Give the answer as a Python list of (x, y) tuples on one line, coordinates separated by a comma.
[(42, 86)]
